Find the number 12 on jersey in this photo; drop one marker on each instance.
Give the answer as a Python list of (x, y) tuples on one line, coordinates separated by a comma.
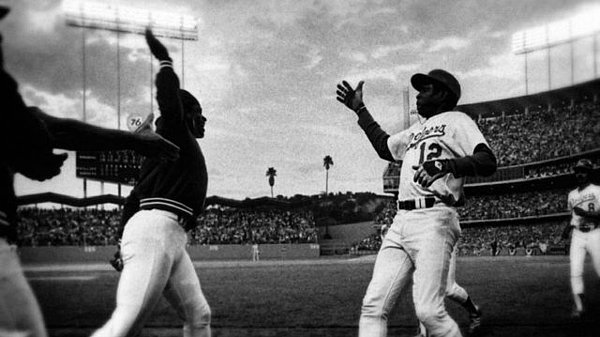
[(434, 150)]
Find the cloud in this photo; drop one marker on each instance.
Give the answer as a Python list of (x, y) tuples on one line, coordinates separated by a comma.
[(384, 51), (315, 57), (503, 66), (355, 56), (451, 42), (391, 73)]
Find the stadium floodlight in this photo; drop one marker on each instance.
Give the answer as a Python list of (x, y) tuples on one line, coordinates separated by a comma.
[(558, 32), (88, 14)]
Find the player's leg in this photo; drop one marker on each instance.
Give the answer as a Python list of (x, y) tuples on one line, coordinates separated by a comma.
[(147, 263), (436, 242), (20, 313), (577, 254), (391, 273), (185, 295), (593, 247), (459, 295)]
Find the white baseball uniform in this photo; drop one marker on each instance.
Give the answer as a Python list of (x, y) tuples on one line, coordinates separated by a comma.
[(420, 242), (586, 235)]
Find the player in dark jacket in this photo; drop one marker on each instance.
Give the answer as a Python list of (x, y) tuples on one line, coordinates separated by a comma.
[(163, 205), (28, 137)]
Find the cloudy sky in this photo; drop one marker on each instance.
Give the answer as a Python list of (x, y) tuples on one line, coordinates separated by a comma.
[(265, 72)]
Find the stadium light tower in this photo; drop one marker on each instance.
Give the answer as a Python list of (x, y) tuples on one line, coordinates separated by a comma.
[(126, 19), (558, 33)]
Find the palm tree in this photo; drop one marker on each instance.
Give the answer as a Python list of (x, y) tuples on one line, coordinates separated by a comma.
[(271, 173), (327, 162)]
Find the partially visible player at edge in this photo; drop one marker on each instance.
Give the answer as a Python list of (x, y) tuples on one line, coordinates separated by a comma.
[(163, 205), (437, 154), (584, 205), (27, 139)]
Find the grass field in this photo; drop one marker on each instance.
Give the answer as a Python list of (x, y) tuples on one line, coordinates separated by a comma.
[(520, 296)]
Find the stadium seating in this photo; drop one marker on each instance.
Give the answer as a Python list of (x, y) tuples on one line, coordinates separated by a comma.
[(541, 134), (94, 227)]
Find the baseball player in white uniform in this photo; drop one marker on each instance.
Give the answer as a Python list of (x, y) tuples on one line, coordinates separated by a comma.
[(584, 205), (437, 155)]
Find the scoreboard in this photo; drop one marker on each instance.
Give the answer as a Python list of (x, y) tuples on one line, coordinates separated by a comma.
[(122, 166)]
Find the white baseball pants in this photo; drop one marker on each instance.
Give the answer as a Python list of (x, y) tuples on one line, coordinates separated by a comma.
[(418, 245), (581, 244), (156, 263), (20, 313)]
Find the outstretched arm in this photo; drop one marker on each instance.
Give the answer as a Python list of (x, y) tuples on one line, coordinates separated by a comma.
[(352, 99), (71, 134), (24, 139), (167, 82), (481, 163)]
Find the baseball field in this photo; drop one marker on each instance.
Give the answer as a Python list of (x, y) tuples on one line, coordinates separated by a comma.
[(520, 296)]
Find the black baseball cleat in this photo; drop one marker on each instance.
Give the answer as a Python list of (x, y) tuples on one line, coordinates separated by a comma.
[(577, 314), (475, 322)]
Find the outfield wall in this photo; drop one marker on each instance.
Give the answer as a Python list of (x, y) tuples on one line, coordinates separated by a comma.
[(348, 233), (76, 254)]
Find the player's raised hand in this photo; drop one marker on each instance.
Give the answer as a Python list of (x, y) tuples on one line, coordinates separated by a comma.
[(430, 171), (156, 47), (352, 98), (152, 144)]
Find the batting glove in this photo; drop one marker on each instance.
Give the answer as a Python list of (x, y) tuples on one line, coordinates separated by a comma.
[(430, 171)]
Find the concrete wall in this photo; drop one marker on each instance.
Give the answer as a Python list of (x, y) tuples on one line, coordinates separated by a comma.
[(74, 254)]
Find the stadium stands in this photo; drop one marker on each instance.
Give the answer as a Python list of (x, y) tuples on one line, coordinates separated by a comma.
[(93, 227), (541, 134)]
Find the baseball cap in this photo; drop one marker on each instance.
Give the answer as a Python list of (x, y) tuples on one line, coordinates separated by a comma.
[(437, 76), (583, 165)]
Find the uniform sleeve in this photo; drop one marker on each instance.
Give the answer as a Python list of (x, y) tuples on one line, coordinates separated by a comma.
[(466, 134), (398, 143), (167, 93), (375, 134)]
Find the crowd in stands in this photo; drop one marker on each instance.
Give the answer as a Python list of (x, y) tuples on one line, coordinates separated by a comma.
[(231, 226), (97, 227), (498, 206), (549, 170), (370, 243), (514, 205), (475, 241), (542, 134), (491, 240), (67, 227)]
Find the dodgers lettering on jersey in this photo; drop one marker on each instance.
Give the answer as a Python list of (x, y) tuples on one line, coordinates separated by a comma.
[(448, 135), (587, 199)]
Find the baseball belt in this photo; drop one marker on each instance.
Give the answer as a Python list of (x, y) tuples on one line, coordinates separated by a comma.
[(410, 204)]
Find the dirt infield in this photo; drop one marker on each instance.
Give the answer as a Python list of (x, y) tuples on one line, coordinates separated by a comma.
[(520, 296)]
